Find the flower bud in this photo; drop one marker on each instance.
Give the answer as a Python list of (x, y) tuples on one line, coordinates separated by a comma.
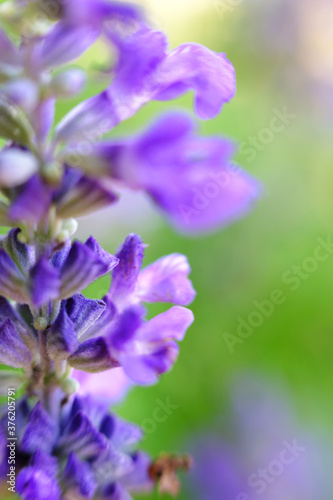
[(68, 228), (68, 83), (70, 386), (16, 167), (23, 92), (52, 173), (40, 323)]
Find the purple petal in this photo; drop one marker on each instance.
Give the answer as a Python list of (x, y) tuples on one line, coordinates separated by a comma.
[(7, 312), (191, 178), (8, 52), (154, 350), (45, 462), (192, 66), (124, 327), (171, 324), (145, 369), (44, 282), (13, 351), (81, 437), (102, 326), (115, 491), (97, 161), (225, 194), (40, 433), (125, 275), (89, 120), (43, 117), (161, 76), (23, 255), (16, 167), (84, 264), (157, 144), (78, 477), (32, 202), (65, 43), (35, 484), (138, 479), (139, 56), (107, 426), (59, 257), (107, 259), (125, 435), (61, 337), (95, 12), (86, 196), (109, 385), (23, 92), (160, 140), (84, 312), (166, 280), (39, 480), (93, 356)]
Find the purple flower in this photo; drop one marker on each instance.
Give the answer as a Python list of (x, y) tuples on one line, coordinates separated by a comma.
[(98, 12), (92, 118), (80, 195), (95, 335), (83, 265), (111, 385), (23, 92), (121, 336), (192, 179), (75, 196), (38, 481), (154, 348), (87, 450), (166, 280), (145, 349), (32, 200), (208, 190), (8, 52), (16, 167), (63, 44), (159, 75), (79, 478), (145, 72), (13, 350), (69, 271)]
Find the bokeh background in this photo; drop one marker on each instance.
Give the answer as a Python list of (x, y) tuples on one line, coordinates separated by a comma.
[(235, 410)]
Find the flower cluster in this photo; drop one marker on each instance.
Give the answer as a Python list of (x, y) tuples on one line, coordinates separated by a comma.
[(68, 446), (84, 448), (92, 335)]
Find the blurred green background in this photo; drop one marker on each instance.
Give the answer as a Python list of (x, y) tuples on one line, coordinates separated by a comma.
[(280, 51)]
